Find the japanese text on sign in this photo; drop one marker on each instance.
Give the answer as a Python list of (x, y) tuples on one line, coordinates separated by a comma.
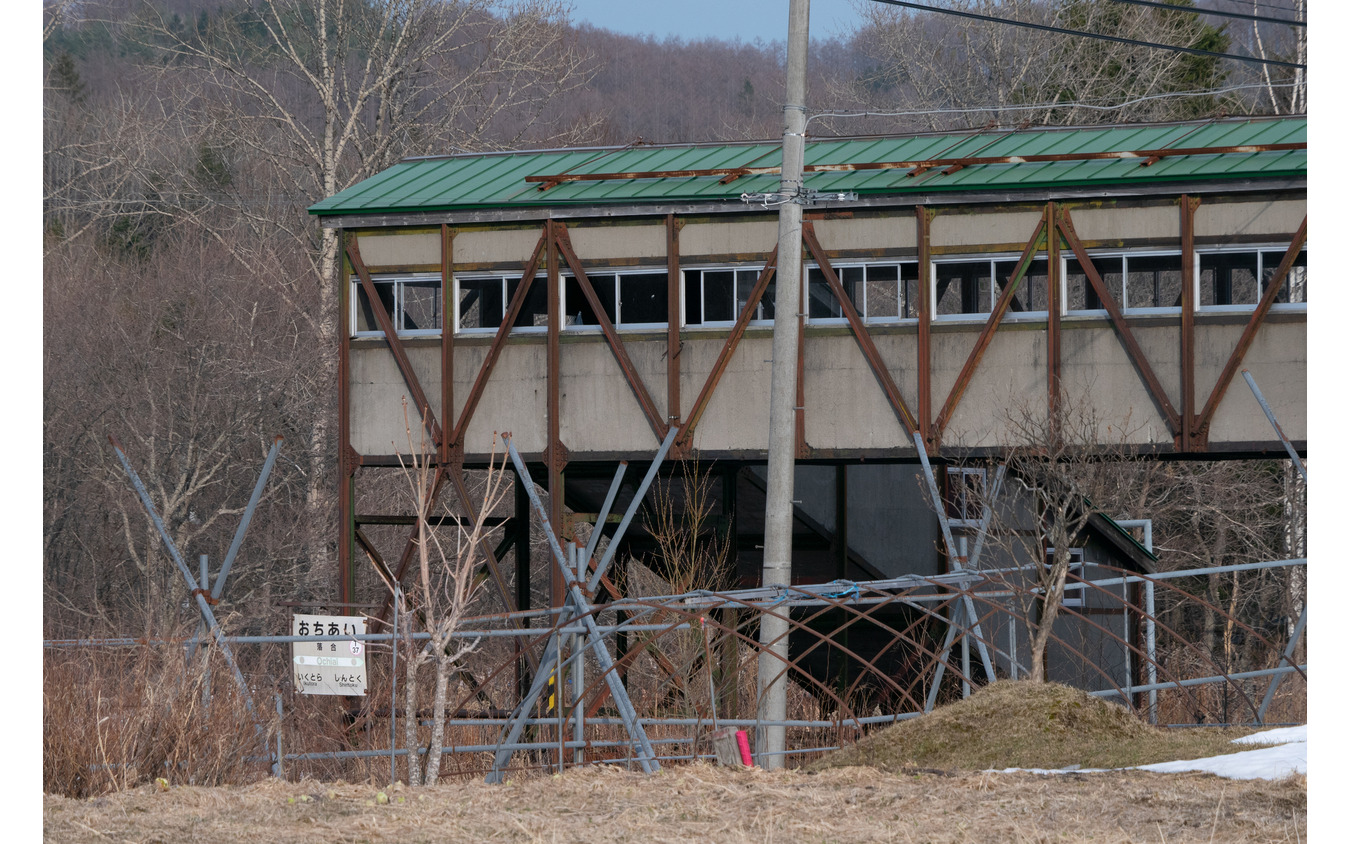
[(335, 666)]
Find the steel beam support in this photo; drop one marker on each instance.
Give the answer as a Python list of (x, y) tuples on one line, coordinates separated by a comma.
[(923, 218), (448, 328), (218, 588), (346, 485), (1244, 343), (1137, 356), (197, 592), (987, 333), (860, 333), (1275, 423), (728, 349), (554, 459), (1053, 340), (616, 346), (674, 319), (1288, 657), (578, 609), (954, 555), (419, 397), (1188, 409)]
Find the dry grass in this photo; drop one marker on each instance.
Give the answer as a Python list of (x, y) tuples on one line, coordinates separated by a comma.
[(704, 803), (1028, 725), (114, 721)]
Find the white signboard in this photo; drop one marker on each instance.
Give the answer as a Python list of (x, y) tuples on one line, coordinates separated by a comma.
[(334, 666)]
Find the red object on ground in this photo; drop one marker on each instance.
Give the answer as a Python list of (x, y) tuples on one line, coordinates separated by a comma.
[(743, 741)]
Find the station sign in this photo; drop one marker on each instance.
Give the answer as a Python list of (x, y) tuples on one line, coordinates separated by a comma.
[(334, 666)]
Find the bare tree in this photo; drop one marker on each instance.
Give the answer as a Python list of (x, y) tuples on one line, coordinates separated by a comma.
[(326, 93), (449, 580), (963, 72)]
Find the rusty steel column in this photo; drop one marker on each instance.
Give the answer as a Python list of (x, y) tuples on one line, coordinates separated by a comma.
[(447, 341), (673, 320), (346, 471), (1052, 343), (552, 453), (922, 218), (1188, 206)]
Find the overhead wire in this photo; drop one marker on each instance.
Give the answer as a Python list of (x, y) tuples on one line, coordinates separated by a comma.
[(1199, 11), (1119, 39)]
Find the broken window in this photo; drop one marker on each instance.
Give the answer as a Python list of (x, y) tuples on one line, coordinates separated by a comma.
[(413, 304)]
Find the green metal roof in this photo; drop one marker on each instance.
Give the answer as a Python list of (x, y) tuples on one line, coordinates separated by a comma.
[(498, 180)]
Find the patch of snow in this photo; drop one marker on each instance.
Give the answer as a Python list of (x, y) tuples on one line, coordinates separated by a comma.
[(1282, 735), (1289, 755)]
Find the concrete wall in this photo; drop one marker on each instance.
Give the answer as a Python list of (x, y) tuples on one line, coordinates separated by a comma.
[(846, 409)]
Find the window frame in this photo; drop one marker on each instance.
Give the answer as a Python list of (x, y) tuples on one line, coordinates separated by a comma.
[(1124, 303), (862, 308), (617, 319), (1260, 250), (751, 272), (396, 314), (504, 282), (995, 288), (1077, 568)]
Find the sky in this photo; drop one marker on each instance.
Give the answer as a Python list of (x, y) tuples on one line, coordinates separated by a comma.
[(724, 19)]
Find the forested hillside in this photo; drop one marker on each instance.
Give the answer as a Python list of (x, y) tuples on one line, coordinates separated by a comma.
[(189, 303)]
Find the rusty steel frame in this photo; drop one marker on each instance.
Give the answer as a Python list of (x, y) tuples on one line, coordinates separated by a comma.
[(728, 349), (616, 345), (1244, 343), (1122, 328), (1038, 237), (1145, 156), (1189, 205), (673, 319), (860, 332)]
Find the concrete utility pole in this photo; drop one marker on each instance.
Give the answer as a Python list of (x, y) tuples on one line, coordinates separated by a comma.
[(773, 632)]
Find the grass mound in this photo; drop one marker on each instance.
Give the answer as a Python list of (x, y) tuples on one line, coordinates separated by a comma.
[(1011, 724)]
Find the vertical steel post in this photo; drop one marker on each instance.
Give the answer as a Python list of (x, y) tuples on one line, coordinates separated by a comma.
[(770, 742), (393, 691), (578, 675), (1151, 646), (277, 770)]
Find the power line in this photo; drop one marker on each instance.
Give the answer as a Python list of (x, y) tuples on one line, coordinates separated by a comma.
[(1196, 10), (1115, 38), (1042, 106)]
